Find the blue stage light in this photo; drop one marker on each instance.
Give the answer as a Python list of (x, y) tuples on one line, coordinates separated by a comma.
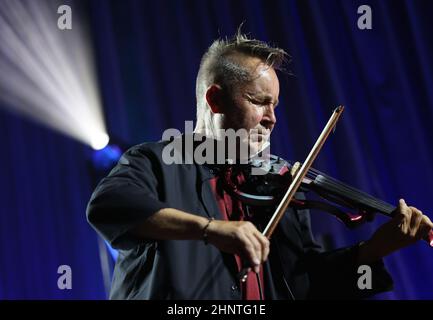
[(106, 158)]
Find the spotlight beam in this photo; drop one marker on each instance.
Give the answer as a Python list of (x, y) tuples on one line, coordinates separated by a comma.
[(47, 74)]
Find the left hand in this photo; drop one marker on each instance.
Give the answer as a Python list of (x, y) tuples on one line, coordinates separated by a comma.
[(407, 227)]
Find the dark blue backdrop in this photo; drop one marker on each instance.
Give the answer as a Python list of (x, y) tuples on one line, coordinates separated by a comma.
[(147, 53)]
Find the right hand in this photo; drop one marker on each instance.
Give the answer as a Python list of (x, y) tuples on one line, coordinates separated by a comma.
[(241, 238)]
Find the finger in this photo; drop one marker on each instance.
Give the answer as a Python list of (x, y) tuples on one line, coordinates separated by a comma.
[(404, 208), (256, 245), (248, 251), (257, 269), (415, 222), (264, 242), (295, 168), (259, 242), (427, 221), (404, 216), (426, 226), (399, 212), (424, 231), (251, 231)]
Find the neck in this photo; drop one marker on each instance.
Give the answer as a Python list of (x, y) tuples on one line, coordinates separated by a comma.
[(209, 125)]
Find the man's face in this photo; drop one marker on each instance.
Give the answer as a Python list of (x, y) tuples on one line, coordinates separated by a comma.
[(251, 106)]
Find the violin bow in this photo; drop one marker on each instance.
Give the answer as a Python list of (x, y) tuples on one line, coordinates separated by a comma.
[(297, 180)]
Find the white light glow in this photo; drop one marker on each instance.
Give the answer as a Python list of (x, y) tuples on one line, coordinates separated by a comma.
[(46, 73), (99, 141)]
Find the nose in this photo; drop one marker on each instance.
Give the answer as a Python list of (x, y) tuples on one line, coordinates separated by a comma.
[(269, 119)]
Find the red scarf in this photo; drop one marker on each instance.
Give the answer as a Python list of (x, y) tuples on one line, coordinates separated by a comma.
[(232, 209)]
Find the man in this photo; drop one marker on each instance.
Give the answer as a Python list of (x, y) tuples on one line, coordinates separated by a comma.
[(181, 235)]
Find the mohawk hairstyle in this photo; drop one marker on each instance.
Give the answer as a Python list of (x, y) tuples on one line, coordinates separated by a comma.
[(221, 64)]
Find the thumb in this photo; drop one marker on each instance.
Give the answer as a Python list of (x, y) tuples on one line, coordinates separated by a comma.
[(399, 213)]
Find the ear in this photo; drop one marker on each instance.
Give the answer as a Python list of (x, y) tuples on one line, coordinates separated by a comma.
[(214, 98)]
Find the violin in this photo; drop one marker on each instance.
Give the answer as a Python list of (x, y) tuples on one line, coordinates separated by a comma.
[(278, 187), (351, 206)]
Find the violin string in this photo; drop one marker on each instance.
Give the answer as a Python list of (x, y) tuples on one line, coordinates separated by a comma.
[(349, 192), (353, 194), (369, 202)]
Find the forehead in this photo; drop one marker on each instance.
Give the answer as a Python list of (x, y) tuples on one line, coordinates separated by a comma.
[(265, 79)]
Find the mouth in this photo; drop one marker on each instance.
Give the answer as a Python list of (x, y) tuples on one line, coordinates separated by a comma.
[(260, 131), (259, 137)]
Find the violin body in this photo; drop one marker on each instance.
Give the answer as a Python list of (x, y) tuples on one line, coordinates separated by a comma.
[(265, 191)]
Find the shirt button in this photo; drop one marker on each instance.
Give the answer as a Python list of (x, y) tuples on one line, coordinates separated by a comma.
[(234, 287)]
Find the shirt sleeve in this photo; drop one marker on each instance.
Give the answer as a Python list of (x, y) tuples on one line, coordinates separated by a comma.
[(335, 274), (126, 198)]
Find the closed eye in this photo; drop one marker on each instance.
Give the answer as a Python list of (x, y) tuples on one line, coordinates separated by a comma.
[(262, 102)]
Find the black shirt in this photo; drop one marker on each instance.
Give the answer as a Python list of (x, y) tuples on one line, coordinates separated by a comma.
[(141, 184)]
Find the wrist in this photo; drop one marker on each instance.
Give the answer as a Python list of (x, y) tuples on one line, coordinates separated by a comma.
[(369, 252), (205, 230)]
